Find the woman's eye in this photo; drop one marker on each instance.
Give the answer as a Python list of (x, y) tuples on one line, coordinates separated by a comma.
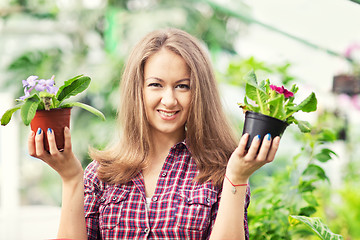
[(154, 85), (183, 86)]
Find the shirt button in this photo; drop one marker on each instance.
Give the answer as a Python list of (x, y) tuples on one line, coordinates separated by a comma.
[(146, 230), (114, 198), (163, 174), (155, 199), (208, 200)]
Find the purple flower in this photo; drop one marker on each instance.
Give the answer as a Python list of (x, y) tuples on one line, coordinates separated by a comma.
[(47, 85), (30, 81), (27, 94), (282, 90)]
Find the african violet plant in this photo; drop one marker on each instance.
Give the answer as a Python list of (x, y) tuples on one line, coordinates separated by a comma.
[(277, 102), (41, 94)]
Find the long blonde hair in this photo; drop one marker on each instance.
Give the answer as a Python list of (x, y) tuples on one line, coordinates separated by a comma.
[(209, 136)]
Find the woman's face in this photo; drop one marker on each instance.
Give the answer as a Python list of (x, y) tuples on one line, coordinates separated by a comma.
[(167, 94)]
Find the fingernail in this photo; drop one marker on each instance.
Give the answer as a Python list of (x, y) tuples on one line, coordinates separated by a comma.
[(257, 137), (268, 136), (50, 130), (39, 131)]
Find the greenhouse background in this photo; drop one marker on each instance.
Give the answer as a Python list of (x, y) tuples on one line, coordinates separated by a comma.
[(314, 175)]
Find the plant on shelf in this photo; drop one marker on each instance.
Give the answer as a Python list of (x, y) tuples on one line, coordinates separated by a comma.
[(349, 82), (43, 99), (352, 53), (274, 104)]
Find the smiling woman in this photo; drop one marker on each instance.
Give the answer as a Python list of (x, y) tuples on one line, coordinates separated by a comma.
[(164, 178), (167, 95)]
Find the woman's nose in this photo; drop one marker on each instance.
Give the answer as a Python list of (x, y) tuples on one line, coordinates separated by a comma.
[(169, 99)]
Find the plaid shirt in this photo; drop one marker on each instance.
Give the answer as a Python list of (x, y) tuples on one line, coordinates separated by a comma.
[(179, 209)]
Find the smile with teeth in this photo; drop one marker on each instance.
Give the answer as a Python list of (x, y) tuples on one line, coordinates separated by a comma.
[(167, 114)]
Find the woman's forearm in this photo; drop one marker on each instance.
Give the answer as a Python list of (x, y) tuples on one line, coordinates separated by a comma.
[(72, 220), (229, 223)]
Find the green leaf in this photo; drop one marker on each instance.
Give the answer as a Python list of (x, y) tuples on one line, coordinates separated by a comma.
[(55, 102), (315, 170), (276, 107), (6, 117), (327, 135), (307, 211), (316, 226), (29, 108), (73, 87), (306, 186), (251, 79), (248, 107), (86, 107), (307, 105), (325, 155), (304, 126), (256, 92), (291, 120), (311, 199)]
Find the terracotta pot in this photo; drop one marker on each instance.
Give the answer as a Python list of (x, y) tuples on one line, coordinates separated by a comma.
[(260, 124), (56, 119)]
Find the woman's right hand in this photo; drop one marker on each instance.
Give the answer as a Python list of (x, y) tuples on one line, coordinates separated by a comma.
[(72, 221), (243, 163), (64, 162)]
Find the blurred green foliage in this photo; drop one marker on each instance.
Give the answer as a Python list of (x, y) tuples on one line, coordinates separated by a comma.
[(95, 41), (291, 191), (237, 70)]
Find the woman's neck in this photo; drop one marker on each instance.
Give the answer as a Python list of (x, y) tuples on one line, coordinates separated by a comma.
[(161, 143)]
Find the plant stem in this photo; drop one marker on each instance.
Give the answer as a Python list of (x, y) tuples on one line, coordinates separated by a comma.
[(47, 102), (289, 114)]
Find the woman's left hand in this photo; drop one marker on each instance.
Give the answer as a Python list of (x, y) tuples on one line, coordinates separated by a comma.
[(242, 163)]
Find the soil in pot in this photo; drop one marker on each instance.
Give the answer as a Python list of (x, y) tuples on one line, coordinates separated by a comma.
[(56, 119), (260, 124)]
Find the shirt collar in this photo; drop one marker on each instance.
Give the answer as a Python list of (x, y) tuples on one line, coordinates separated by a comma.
[(181, 145)]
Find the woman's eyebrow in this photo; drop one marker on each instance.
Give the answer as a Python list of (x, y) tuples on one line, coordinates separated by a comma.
[(161, 80), (154, 78), (183, 80)]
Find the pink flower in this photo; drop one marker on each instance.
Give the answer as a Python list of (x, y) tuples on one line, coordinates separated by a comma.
[(349, 51), (282, 90)]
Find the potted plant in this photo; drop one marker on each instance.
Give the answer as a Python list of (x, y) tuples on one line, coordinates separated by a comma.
[(349, 82), (44, 106), (272, 108)]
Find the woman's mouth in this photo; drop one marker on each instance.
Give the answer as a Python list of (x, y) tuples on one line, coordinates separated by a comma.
[(167, 114)]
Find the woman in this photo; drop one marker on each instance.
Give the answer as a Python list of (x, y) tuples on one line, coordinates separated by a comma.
[(177, 171)]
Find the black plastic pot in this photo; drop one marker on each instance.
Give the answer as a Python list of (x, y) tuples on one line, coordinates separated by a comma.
[(260, 124)]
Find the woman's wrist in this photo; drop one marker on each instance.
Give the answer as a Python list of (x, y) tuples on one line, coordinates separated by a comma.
[(75, 179), (236, 179)]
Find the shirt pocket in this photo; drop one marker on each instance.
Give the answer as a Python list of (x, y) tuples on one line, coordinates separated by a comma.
[(111, 205), (194, 208)]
